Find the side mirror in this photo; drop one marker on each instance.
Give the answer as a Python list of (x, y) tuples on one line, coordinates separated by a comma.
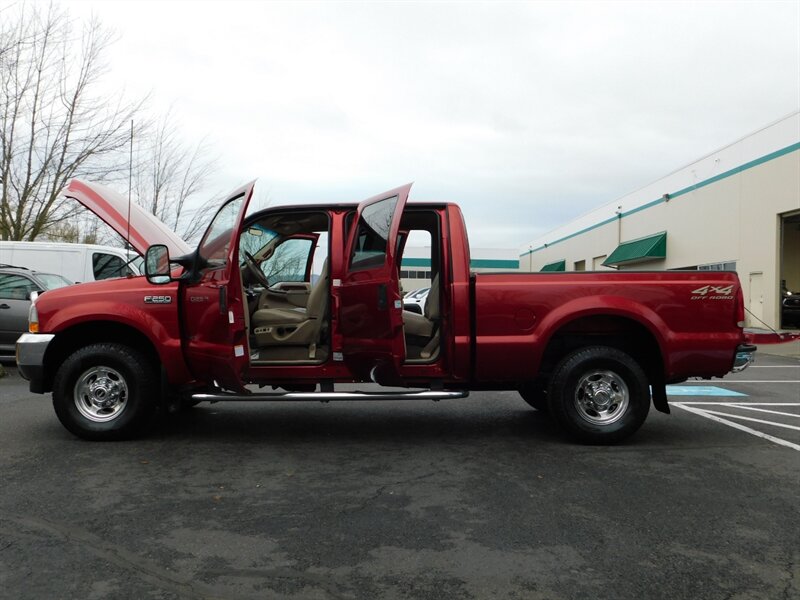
[(156, 264)]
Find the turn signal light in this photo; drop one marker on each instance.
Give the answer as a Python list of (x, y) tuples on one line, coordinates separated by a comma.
[(33, 319)]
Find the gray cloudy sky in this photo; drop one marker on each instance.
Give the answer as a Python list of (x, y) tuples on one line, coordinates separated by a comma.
[(526, 114)]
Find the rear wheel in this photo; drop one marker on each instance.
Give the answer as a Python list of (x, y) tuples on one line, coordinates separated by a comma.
[(599, 395), (105, 392)]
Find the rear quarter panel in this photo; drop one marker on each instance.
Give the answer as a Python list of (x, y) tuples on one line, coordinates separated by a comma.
[(517, 315)]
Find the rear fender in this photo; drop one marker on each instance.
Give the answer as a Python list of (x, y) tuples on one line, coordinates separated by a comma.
[(616, 306)]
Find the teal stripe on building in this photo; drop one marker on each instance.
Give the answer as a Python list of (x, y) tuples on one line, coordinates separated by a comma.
[(676, 194), (475, 263)]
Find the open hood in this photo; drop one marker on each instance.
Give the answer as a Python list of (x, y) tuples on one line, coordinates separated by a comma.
[(144, 229)]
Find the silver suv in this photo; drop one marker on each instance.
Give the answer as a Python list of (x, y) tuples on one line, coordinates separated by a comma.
[(16, 286)]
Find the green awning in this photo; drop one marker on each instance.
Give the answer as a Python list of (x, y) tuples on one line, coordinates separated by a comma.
[(559, 265), (647, 248)]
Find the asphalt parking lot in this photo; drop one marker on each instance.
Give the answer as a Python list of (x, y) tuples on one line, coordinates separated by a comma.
[(477, 498)]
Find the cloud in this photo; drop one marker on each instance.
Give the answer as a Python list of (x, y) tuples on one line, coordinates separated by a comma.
[(526, 114)]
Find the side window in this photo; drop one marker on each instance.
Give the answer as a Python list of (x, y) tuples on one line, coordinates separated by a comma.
[(106, 266), (372, 234), (214, 246), (289, 262), (15, 287)]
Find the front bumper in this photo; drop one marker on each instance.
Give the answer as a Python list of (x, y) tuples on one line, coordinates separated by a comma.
[(745, 355), (31, 348)]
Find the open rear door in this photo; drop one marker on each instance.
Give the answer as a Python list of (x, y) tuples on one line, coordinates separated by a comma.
[(215, 327), (370, 306)]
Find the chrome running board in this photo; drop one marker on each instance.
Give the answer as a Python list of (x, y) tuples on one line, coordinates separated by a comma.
[(221, 396)]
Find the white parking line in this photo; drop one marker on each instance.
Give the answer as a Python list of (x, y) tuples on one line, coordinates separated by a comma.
[(739, 403), (738, 426), (745, 381), (772, 412), (743, 418)]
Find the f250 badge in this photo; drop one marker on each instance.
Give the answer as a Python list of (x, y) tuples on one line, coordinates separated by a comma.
[(157, 299), (713, 292)]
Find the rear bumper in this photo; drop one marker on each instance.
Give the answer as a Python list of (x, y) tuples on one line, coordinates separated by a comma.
[(745, 354), (31, 348), (763, 337)]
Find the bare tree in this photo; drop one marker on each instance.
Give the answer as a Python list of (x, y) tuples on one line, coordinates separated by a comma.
[(54, 124), (169, 176)]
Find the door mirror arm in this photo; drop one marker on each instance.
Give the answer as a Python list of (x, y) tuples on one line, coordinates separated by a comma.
[(158, 265)]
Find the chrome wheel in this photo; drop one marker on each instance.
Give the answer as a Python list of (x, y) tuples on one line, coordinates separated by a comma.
[(601, 397), (101, 394)]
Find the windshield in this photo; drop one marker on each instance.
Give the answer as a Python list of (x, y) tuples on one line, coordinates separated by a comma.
[(254, 239), (52, 281)]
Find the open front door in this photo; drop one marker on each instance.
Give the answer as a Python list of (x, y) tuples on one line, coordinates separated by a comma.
[(213, 309), (371, 309)]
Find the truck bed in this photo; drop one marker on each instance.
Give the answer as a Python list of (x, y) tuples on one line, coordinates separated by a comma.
[(690, 315)]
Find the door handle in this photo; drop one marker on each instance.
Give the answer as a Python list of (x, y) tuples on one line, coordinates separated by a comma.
[(223, 300), (382, 297), (4, 306)]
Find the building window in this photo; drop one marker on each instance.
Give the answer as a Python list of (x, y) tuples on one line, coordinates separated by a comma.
[(415, 274), (721, 266), (580, 265)]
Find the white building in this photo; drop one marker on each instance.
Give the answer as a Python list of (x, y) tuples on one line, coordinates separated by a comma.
[(415, 269), (737, 208)]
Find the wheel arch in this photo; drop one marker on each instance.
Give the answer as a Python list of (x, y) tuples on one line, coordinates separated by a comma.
[(91, 332), (621, 331)]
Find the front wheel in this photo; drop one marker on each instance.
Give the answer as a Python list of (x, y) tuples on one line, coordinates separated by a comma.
[(599, 395), (105, 391)]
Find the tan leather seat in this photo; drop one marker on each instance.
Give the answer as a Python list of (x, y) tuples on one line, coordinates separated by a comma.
[(295, 326), (424, 325)]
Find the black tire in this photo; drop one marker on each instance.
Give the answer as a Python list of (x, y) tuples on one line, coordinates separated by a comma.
[(599, 395), (536, 396), (100, 374)]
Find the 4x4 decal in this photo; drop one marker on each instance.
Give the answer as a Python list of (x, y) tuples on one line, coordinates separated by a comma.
[(713, 292)]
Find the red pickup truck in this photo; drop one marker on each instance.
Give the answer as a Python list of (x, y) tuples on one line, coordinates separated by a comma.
[(304, 298)]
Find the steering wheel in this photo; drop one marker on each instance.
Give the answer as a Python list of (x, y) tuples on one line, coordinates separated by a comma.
[(252, 265)]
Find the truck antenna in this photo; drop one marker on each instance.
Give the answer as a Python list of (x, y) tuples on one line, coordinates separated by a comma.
[(130, 187)]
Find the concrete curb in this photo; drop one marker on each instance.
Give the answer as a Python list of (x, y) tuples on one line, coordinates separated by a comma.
[(792, 349)]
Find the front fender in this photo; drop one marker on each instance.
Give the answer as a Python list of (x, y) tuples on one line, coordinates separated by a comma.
[(159, 324)]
